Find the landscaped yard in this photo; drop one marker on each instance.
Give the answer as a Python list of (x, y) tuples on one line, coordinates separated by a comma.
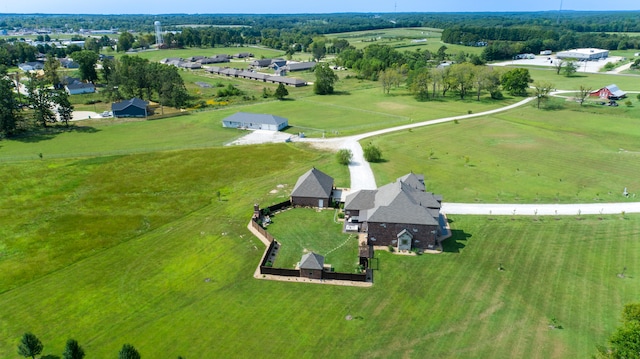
[(302, 230)]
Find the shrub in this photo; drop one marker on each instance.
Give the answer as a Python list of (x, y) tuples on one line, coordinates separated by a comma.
[(341, 215), (344, 156), (628, 103), (638, 97), (372, 153), (391, 248)]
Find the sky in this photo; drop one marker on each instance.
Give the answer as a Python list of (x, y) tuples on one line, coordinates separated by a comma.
[(293, 7)]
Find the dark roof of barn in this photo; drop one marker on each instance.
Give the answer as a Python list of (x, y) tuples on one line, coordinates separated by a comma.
[(135, 102)]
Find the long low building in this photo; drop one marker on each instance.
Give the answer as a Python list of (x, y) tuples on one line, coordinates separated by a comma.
[(255, 121), (583, 54), (257, 76)]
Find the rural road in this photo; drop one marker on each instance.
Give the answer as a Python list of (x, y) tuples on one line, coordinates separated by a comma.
[(362, 176)]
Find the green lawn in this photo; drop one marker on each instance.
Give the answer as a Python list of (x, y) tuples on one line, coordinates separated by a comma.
[(158, 55), (302, 230), (595, 81), (527, 155)]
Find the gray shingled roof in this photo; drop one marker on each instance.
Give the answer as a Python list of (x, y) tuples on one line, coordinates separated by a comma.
[(312, 261), (245, 117), (414, 180), (300, 66), (314, 183), (397, 202)]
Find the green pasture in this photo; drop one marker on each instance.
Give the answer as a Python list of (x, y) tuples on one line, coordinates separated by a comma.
[(188, 273), (302, 230), (595, 81), (258, 52), (526, 155)]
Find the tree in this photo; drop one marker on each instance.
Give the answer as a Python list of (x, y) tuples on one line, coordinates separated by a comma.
[(128, 352), (51, 66), (442, 53), (73, 350), (389, 78), (516, 81), (344, 156), (542, 89), (87, 61), (92, 44), (325, 79), (40, 98), (318, 49), (558, 64), (462, 76), (583, 92), (65, 108), (570, 68), (125, 41), (419, 83), (281, 92), (372, 153), (9, 110), (30, 346)]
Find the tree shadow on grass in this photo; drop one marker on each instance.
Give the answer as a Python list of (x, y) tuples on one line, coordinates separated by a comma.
[(455, 243), (48, 133), (341, 93)]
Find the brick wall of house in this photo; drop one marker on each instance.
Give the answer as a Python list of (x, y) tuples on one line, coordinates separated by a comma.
[(387, 235), (309, 201)]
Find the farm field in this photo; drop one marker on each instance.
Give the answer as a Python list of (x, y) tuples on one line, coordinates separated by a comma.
[(571, 155), (401, 39), (157, 55)]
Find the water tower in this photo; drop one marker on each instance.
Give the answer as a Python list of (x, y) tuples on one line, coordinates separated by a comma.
[(158, 33)]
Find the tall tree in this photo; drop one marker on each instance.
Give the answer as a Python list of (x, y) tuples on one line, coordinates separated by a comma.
[(542, 88), (87, 61), (9, 111), (583, 92), (125, 41), (65, 108), (558, 64), (51, 66), (325, 79), (281, 92), (516, 81), (570, 68), (30, 346), (40, 98), (318, 49), (419, 81), (73, 350), (463, 78), (128, 352)]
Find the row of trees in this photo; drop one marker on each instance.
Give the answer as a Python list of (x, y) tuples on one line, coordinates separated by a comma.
[(30, 347)]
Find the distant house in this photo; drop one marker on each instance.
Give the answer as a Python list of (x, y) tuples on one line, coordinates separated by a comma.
[(69, 63), (401, 214), (79, 88), (134, 107), (255, 121), (313, 189), (611, 92), (242, 55), (31, 66), (261, 63), (311, 265)]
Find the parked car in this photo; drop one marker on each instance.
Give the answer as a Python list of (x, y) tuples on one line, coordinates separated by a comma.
[(107, 114)]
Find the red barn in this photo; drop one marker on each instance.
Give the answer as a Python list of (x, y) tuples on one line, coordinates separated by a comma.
[(611, 92)]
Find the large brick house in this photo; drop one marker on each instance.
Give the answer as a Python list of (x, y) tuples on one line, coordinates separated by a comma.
[(313, 189), (400, 214)]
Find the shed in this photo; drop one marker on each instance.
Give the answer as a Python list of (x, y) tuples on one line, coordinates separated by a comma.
[(311, 265), (134, 107), (255, 121), (313, 189)]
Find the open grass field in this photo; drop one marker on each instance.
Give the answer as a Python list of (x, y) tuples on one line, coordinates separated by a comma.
[(302, 230), (118, 235), (157, 55), (402, 39), (527, 155)]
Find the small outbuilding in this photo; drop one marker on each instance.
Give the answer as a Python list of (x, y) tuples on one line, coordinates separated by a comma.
[(611, 92), (313, 189), (255, 121), (311, 265), (134, 107)]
